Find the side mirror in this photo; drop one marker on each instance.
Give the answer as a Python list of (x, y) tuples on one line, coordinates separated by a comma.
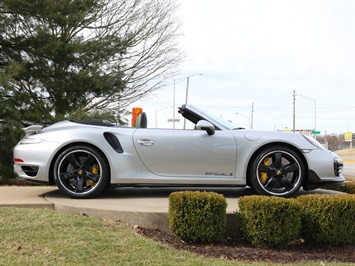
[(207, 126)]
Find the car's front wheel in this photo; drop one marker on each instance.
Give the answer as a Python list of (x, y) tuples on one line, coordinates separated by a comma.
[(81, 172), (277, 171)]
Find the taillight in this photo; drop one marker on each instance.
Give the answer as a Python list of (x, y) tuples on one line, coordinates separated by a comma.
[(18, 160)]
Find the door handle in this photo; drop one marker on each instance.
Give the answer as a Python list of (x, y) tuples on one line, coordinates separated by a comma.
[(145, 142)]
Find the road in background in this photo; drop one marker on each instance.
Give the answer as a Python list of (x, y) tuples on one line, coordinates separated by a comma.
[(349, 167)]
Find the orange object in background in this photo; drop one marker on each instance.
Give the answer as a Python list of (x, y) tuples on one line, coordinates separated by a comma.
[(136, 111)]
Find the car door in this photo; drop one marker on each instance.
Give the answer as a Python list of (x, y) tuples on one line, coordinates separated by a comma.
[(186, 153)]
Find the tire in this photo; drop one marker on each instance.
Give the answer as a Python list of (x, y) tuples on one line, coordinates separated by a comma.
[(277, 171), (81, 172)]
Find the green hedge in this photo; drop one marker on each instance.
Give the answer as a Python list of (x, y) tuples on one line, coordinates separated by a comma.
[(197, 216), (263, 220), (349, 187), (269, 221), (328, 219)]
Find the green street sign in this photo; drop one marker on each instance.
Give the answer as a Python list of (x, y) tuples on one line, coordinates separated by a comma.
[(315, 132)]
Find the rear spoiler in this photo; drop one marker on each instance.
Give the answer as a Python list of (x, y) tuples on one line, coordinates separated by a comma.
[(32, 129)]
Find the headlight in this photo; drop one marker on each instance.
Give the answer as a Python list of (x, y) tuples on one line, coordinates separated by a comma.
[(314, 142), (27, 140)]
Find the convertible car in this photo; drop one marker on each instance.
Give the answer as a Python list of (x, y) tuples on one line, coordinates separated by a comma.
[(83, 158)]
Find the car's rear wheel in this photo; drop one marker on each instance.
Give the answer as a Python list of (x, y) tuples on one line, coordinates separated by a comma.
[(81, 172), (277, 171)]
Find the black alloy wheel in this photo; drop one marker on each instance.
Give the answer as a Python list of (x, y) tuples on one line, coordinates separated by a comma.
[(277, 171), (81, 172)]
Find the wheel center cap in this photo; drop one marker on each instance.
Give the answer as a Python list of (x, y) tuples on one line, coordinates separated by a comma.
[(80, 172), (278, 172)]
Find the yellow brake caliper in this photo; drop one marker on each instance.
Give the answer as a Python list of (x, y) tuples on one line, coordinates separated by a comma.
[(263, 175), (95, 171)]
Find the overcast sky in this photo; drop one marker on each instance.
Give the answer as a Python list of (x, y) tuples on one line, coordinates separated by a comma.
[(258, 52)]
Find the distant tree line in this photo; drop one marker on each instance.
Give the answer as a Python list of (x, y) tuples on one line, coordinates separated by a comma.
[(335, 142)]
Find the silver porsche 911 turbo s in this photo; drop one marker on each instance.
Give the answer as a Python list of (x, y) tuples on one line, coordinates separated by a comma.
[(83, 158)]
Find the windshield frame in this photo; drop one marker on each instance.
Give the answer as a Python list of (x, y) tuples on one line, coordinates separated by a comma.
[(194, 114)]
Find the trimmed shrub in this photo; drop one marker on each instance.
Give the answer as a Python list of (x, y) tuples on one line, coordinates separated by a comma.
[(328, 219), (349, 187), (269, 221), (197, 216)]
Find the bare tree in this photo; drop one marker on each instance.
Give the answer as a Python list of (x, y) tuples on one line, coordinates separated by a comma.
[(152, 51)]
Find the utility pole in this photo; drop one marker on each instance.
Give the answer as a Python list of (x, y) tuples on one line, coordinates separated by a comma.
[(294, 111)]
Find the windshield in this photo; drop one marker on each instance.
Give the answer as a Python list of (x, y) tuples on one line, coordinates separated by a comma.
[(219, 122)]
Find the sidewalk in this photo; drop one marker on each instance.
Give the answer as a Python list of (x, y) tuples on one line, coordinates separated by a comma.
[(146, 207), (30, 197)]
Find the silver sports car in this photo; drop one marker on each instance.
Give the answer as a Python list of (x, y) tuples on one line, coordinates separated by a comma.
[(83, 158)]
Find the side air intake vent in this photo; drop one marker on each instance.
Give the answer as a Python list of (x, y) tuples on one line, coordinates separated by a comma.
[(30, 170), (114, 142)]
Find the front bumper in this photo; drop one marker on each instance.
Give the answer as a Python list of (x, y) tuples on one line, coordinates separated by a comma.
[(314, 181)]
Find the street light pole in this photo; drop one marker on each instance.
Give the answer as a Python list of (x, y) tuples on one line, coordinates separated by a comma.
[(174, 106), (315, 107), (294, 112), (249, 121), (187, 91), (186, 96), (252, 115), (187, 85), (156, 115)]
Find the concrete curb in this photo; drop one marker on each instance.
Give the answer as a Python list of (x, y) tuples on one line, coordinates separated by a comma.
[(145, 207), (26, 197)]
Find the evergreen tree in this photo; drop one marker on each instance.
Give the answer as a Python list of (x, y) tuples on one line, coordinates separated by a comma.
[(63, 58), (55, 68)]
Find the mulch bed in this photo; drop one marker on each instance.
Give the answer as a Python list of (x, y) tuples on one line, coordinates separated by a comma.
[(240, 250), (12, 182)]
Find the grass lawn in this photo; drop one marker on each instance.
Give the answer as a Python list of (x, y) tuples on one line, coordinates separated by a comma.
[(46, 237)]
